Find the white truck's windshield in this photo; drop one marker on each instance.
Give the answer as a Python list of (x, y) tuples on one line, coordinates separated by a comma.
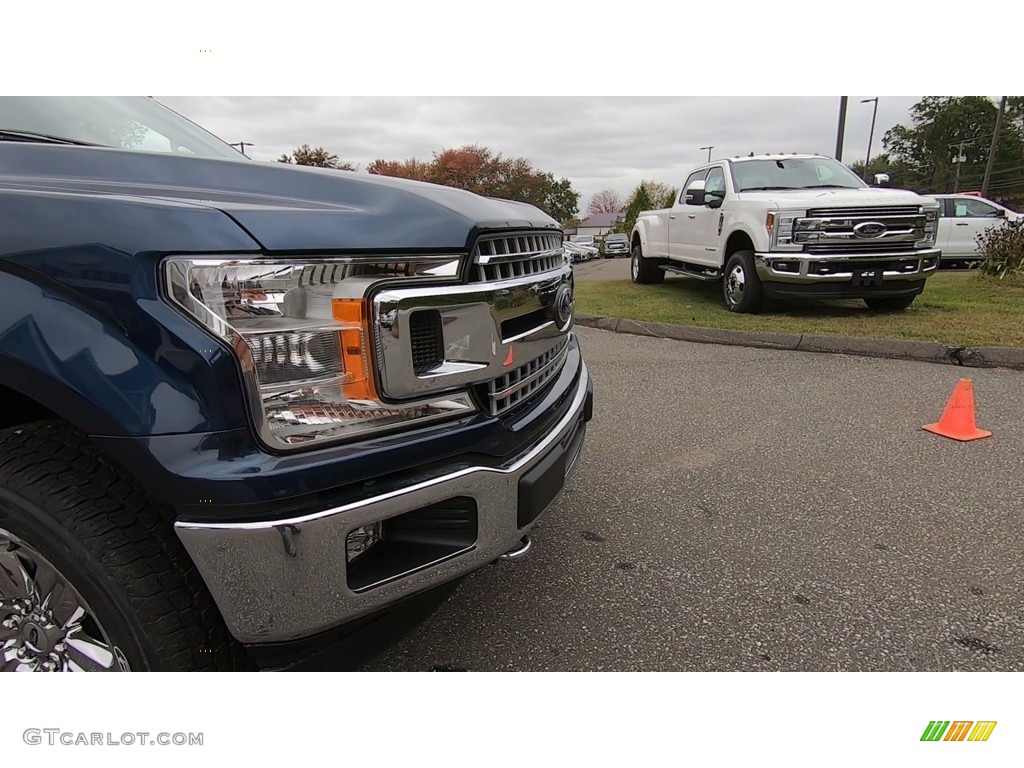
[(124, 122), (793, 173)]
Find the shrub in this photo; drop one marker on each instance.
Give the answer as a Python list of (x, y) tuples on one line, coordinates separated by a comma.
[(1002, 249)]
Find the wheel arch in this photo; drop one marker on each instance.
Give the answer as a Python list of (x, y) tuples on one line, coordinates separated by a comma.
[(739, 240)]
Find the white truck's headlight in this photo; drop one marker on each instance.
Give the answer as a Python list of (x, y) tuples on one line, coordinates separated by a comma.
[(931, 228), (780, 229), (301, 332)]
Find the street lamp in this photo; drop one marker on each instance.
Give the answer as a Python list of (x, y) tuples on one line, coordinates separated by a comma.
[(709, 152), (871, 136)]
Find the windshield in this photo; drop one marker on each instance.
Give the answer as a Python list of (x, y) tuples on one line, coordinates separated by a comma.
[(124, 122), (616, 238), (793, 173)]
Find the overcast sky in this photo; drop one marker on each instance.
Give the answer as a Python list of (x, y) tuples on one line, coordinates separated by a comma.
[(597, 143)]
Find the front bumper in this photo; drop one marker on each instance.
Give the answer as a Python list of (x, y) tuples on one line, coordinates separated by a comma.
[(284, 579), (838, 276), (815, 268)]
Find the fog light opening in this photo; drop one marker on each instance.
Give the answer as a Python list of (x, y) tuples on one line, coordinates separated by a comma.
[(362, 539)]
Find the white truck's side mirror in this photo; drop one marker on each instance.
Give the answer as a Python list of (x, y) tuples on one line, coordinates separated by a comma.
[(881, 179)]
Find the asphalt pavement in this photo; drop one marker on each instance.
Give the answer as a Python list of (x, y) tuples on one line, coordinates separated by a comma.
[(755, 509), (603, 269)]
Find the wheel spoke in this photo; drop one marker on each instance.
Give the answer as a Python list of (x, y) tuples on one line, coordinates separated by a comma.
[(89, 653), (15, 580), (62, 603), (89, 649), (75, 618), (46, 580)]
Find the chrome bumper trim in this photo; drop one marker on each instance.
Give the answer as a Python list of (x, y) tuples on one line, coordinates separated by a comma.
[(268, 593), (764, 261)]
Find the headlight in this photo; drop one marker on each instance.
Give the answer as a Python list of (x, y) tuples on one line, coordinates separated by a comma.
[(780, 228), (301, 332), (931, 228)]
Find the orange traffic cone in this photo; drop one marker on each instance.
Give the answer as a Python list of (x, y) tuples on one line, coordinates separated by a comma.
[(957, 420)]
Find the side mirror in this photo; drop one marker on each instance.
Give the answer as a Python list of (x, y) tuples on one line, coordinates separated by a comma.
[(881, 179), (1000, 213), (714, 199), (695, 194)]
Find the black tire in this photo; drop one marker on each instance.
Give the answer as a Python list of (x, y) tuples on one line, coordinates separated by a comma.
[(644, 271), (86, 519), (741, 286), (889, 303)]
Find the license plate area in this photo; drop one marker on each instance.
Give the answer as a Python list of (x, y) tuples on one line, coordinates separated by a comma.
[(868, 277)]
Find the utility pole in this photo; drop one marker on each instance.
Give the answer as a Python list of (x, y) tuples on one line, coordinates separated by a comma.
[(709, 152), (242, 145), (959, 160), (871, 135), (842, 127), (993, 148)]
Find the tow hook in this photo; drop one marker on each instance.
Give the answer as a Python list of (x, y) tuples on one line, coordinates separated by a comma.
[(519, 550)]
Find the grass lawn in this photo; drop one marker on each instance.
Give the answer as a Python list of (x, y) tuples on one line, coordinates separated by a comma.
[(957, 308)]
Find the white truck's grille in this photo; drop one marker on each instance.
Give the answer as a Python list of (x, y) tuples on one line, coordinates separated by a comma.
[(860, 230)]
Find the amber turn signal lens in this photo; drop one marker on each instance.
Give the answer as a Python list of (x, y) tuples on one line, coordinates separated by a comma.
[(354, 342)]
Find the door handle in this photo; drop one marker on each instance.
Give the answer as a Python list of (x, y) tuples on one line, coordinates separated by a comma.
[(961, 224), (692, 216), (672, 216)]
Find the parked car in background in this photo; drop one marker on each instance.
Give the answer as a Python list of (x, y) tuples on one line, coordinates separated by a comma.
[(585, 251), (577, 253), (790, 226), (962, 218), (616, 245), (588, 241)]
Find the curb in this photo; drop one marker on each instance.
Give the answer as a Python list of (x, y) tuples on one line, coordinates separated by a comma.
[(893, 349)]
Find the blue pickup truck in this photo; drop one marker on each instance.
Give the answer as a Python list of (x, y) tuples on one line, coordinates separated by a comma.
[(249, 408)]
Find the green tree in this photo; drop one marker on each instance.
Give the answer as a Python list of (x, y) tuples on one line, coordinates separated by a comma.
[(940, 125), (640, 199), (318, 157)]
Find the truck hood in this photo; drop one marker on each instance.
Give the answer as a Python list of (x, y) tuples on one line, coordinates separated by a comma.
[(834, 198), (283, 207)]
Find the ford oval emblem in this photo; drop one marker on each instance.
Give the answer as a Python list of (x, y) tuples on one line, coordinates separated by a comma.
[(870, 229), (563, 306)]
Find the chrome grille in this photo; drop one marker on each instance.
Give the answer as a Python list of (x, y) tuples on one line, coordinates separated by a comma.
[(513, 388), (510, 256), (834, 230), (863, 246), (895, 210)]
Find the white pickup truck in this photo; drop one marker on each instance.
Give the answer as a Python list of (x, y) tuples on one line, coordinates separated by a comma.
[(791, 226)]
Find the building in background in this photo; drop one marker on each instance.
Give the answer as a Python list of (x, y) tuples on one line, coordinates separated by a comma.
[(599, 224)]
